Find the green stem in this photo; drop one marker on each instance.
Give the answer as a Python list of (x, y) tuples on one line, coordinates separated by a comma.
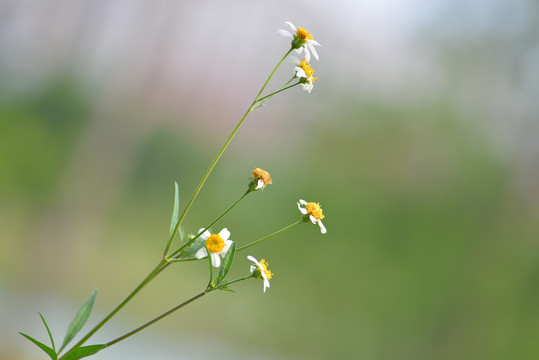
[(271, 235), (278, 91), (142, 327), (220, 153), (144, 282), (167, 313), (231, 282)]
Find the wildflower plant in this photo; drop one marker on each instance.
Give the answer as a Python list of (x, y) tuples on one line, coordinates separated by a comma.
[(218, 249)]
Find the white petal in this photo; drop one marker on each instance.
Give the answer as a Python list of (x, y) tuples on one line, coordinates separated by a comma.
[(302, 210), (201, 253), (299, 50), (252, 258), (226, 247), (322, 227), (252, 268), (307, 53), (300, 73), (285, 33), (224, 234), (313, 219), (294, 60), (311, 47), (260, 184), (205, 235), (215, 259), (302, 202), (291, 26), (266, 284), (314, 42)]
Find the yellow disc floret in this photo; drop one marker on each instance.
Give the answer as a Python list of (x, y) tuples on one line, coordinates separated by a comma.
[(307, 68), (215, 243), (260, 174), (268, 273), (303, 34), (315, 210)]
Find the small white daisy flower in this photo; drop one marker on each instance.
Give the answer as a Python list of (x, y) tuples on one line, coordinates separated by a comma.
[(217, 244), (261, 271), (304, 72), (301, 40), (312, 212)]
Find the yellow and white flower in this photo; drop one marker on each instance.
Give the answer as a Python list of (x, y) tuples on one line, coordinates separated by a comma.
[(301, 40), (304, 72), (313, 212), (260, 179), (260, 270), (217, 245)]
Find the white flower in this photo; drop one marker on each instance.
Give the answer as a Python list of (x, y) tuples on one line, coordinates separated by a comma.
[(261, 271), (217, 244), (301, 40), (313, 212), (304, 72)]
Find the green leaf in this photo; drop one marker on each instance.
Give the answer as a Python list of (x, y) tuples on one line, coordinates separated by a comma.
[(49, 331), (176, 211), (191, 250), (182, 235), (227, 263), (85, 351), (42, 346), (80, 319)]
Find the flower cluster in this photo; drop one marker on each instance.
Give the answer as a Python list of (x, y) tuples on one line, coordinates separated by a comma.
[(302, 40), (217, 245)]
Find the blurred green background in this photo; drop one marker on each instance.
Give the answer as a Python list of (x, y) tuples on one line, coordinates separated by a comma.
[(419, 141)]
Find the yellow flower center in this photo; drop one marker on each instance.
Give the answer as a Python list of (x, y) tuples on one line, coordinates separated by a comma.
[(264, 265), (215, 243), (260, 174), (303, 34), (315, 210), (307, 68)]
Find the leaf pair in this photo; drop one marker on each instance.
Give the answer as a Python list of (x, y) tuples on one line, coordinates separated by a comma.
[(74, 327)]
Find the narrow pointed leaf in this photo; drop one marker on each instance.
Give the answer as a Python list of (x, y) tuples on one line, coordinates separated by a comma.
[(227, 263), (42, 346), (49, 331), (85, 351), (80, 319), (182, 235), (176, 210)]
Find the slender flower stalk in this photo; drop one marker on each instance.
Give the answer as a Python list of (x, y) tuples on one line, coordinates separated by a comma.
[(267, 97), (208, 290), (269, 236)]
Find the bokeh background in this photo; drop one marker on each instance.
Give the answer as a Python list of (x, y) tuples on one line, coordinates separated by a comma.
[(420, 141)]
